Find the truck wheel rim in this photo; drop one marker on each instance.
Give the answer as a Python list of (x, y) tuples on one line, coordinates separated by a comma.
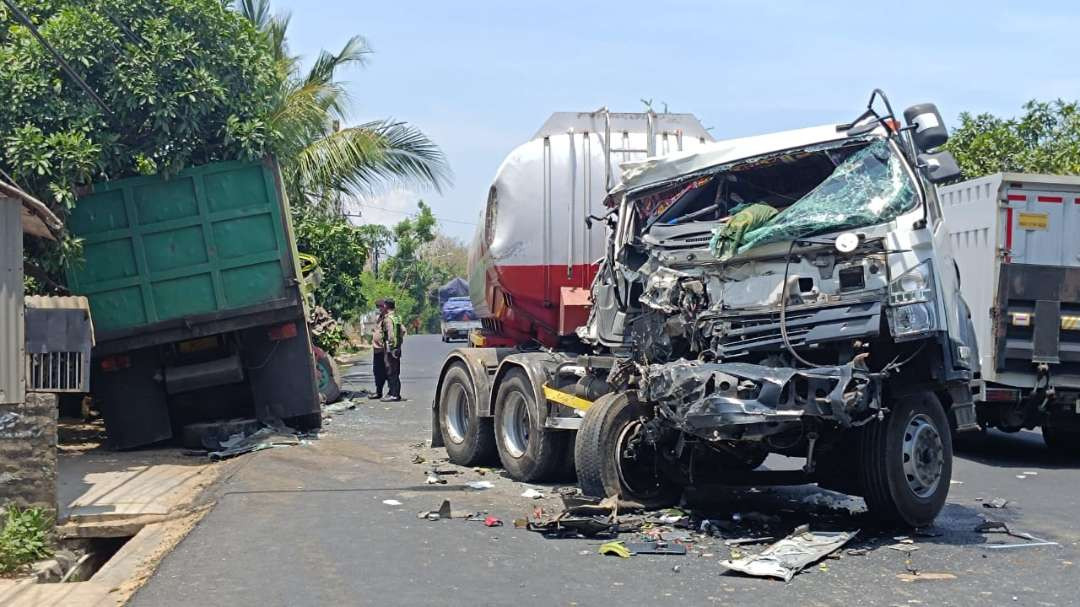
[(515, 425), (457, 413), (635, 462), (924, 456), (324, 377)]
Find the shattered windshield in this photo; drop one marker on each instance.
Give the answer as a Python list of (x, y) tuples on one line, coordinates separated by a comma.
[(870, 187)]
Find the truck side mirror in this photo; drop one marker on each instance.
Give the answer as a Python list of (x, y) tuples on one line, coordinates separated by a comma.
[(929, 130), (939, 167)]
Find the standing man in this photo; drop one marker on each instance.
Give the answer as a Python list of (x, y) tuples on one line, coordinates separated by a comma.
[(394, 333), (378, 355)]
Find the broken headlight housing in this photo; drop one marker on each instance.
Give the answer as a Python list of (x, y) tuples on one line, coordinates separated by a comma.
[(911, 303)]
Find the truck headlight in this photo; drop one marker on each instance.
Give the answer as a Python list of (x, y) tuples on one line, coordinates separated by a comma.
[(915, 285), (911, 303)]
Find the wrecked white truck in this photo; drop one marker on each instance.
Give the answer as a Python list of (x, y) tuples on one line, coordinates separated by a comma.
[(790, 293)]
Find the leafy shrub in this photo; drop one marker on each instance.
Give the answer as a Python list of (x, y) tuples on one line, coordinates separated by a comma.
[(24, 537)]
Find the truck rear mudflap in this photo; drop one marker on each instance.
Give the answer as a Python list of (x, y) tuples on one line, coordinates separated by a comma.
[(719, 401)]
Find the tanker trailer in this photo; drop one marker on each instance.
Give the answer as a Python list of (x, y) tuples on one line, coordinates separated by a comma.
[(531, 265)]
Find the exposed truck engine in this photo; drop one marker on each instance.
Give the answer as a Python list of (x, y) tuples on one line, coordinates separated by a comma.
[(790, 293)]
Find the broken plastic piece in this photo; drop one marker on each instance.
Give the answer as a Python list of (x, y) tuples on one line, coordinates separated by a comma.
[(391, 502), (480, 485), (792, 554), (616, 548), (491, 521), (532, 494)]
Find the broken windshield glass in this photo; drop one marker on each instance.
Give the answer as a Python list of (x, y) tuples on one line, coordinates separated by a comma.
[(868, 188)]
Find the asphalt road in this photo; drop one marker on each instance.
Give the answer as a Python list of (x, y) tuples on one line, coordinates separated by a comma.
[(307, 525)]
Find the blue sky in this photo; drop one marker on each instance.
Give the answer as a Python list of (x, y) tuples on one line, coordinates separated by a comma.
[(479, 76)]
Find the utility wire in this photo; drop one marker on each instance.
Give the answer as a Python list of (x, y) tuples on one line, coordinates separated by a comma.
[(21, 16), (410, 214)]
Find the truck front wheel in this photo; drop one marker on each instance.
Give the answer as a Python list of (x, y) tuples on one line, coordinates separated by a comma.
[(906, 462), (469, 438), (612, 456), (528, 451)]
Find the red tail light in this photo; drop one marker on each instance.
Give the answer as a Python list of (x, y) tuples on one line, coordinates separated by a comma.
[(115, 363), (280, 332)]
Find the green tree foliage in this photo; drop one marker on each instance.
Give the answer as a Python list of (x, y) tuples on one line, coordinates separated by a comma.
[(342, 252), (1045, 139), (24, 537), (321, 161), (376, 288), (187, 82)]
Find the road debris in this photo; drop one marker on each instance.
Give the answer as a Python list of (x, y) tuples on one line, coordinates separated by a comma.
[(480, 485), (1000, 527), (742, 541), (616, 548), (418, 459), (531, 493), (996, 503), (792, 554), (835, 501), (391, 502), (655, 548), (491, 521), (924, 577), (268, 437), (902, 547), (434, 480)]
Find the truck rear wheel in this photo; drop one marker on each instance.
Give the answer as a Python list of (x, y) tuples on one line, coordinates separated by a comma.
[(469, 438), (612, 457), (906, 461), (327, 375), (1063, 441), (528, 451)]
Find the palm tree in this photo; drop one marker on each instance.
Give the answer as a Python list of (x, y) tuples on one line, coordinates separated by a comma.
[(321, 161)]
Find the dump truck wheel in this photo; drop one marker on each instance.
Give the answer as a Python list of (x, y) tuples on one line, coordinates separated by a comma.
[(469, 438), (328, 376), (612, 458), (906, 461), (528, 451), (1062, 441)]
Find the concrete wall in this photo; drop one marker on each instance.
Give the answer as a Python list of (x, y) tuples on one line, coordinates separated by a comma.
[(28, 451)]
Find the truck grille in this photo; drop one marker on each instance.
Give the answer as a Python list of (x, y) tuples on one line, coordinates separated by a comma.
[(747, 333)]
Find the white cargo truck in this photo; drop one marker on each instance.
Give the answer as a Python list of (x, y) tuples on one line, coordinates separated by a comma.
[(1016, 241)]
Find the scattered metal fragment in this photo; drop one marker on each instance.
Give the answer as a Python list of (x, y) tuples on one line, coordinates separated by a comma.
[(391, 502), (434, 480), (480, 485), (491, 521), (857, 551), (418, 459), (655, 548), (747, 540), (532, 494), (792, 554), (996, 503)]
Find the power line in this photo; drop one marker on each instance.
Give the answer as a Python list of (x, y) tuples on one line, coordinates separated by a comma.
[(410, 214)]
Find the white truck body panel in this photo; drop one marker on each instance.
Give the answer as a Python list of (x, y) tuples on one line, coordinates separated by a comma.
[(1008, 217)]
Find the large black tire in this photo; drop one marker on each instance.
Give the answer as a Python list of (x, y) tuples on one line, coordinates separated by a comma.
[(528, 451), (1062, 441), (906, 461), (327, 375), (597, 459), (469, 438)]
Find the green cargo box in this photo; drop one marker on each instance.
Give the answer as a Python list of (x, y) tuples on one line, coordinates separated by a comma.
[(210, 240)]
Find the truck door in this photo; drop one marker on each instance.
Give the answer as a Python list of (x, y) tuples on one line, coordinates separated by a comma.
[(1043, 227)]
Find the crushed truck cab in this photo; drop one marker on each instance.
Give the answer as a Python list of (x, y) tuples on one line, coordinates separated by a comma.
[(790, 293)]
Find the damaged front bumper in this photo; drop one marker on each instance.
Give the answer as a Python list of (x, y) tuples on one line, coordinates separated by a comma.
[(732, 401)]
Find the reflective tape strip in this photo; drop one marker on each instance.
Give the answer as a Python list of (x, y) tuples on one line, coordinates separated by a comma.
[(563, 398), (1020, 319), (1070, 323)]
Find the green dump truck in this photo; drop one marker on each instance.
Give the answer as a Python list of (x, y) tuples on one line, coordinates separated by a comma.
[(195, 296)]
